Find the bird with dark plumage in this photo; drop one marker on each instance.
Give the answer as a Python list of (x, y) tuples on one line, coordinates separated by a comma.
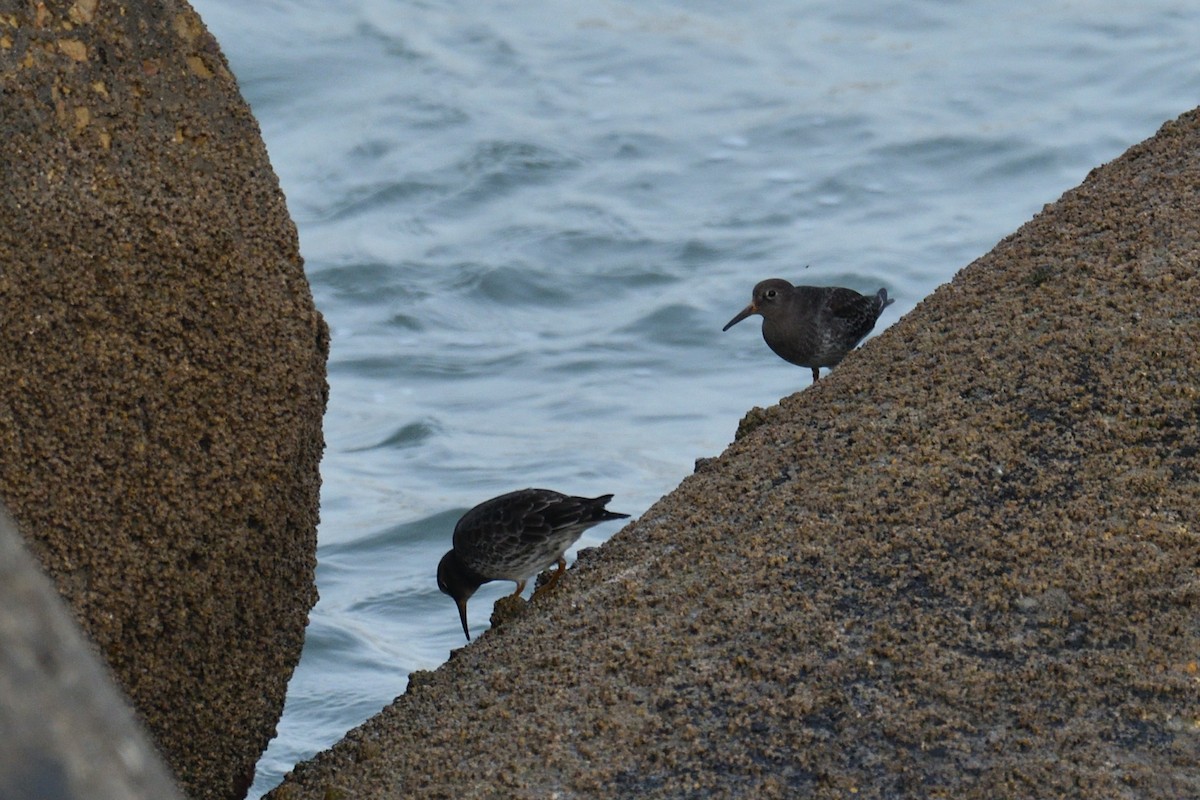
[(513, 537), (812, 326)]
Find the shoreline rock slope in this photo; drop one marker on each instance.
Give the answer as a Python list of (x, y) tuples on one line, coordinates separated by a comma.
[(162, 371), (962, 565)]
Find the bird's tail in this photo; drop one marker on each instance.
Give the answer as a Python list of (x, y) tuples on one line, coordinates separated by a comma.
[(600, 513), (884, 300)]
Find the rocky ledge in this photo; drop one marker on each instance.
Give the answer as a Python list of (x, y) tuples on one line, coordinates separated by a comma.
[(963, 565)]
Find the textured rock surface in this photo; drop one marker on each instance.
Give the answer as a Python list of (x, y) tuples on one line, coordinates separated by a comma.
[(963, 565), (67, 732), (161, 369)]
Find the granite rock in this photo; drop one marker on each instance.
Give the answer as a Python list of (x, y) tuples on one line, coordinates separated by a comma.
[(67, 731)]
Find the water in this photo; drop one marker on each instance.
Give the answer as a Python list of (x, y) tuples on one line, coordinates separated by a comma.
[(526, 223)]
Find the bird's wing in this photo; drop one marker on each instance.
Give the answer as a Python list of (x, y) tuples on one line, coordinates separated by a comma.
[(848, 303)]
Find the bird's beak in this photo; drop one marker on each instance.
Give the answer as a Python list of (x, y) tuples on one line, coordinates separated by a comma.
[(745, 312), (462, 613)]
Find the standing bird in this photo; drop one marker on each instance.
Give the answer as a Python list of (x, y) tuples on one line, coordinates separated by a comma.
[(514, 536), (812, 326)]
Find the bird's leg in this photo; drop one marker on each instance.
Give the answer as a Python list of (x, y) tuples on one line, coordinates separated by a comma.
[(520, 588), (816, 374), (550, 584), (558, 573)]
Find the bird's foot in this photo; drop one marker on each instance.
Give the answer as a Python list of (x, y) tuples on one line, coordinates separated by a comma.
[(552, 581)]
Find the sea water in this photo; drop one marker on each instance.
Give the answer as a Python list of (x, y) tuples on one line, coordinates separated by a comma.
[(526, 223)]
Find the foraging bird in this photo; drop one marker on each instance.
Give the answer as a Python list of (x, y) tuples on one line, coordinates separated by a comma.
[(812, 326), (514, 536)]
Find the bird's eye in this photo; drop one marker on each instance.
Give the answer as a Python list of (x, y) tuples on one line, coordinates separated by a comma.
[(771, 294)]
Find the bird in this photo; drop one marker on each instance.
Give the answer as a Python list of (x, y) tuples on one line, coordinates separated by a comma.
[(513, 537), (812, 326)]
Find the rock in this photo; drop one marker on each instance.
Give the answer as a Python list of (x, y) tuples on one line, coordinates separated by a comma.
[(961, 565), (161, 370), (507, 609), (67, 732)]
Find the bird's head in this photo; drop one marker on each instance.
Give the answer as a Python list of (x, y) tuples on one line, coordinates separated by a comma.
[(454, 579), (768, 296)]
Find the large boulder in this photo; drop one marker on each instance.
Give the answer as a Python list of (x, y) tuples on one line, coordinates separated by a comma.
[(162, 370), (964, 564)]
